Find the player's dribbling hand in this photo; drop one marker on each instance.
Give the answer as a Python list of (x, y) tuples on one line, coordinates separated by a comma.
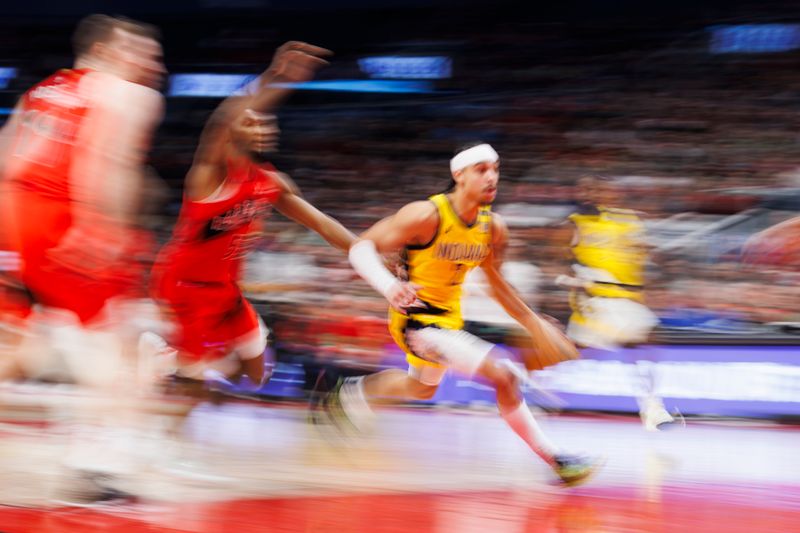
[(297, 61), (402, 295), (551, 346)]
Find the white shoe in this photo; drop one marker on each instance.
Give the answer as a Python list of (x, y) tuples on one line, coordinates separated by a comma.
[(654, 414)]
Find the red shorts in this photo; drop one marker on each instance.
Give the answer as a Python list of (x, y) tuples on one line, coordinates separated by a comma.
[(15, 302), (36, 225), (211, 317)]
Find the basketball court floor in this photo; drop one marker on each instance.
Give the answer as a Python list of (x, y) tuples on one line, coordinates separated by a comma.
[(243, 467)]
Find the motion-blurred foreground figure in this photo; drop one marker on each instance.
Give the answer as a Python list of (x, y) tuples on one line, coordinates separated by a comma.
[(74, 149), (72, 181), (229, 191)]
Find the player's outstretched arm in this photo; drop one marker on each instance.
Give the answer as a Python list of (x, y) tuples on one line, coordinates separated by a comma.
[(550, 345), (414, 224), (294, 62), (107, 173), (294, 206)]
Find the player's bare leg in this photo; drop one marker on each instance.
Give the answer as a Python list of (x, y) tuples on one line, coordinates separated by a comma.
[(353, 400)]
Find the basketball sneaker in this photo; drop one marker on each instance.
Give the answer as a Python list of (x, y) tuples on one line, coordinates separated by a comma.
[(653, 413), (574, 469)]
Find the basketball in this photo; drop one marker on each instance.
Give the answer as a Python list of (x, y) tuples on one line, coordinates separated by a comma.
[(551, 348)]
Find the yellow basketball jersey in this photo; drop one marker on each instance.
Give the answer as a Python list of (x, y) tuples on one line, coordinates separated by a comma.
[(612, 240), (440, 267)]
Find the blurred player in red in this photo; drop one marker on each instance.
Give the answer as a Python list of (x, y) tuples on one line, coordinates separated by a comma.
[(72, 171), (229, 190), (72, 167)]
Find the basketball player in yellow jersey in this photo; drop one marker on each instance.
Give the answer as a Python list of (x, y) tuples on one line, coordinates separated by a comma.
[(607, 290), (443, 238)]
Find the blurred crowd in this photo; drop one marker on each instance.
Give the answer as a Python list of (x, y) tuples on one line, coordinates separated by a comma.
[(679, 128)]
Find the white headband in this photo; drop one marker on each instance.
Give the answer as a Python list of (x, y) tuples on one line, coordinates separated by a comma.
[(470, 156)]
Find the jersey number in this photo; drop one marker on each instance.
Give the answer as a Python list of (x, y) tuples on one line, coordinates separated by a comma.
[(42, 138)]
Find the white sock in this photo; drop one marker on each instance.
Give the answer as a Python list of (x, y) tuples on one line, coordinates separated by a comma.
[(355, 404), (524, 424)]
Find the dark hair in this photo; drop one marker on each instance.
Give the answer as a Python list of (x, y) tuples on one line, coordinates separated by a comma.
[(99, 28), (463, 147), (467, 146)]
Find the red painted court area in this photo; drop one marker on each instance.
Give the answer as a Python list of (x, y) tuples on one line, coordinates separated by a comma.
[(582, 510)]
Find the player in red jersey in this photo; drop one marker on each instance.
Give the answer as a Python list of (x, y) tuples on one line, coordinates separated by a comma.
[(228, 192), (72, 173), (72, 166)]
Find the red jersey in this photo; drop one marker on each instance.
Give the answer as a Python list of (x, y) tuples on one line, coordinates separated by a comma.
[(42, 151), (212, 236), (55, 137)]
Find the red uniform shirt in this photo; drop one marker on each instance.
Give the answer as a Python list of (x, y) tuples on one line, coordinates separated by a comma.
[(55, 137), (197, 271), (52, 113), (212, 236)]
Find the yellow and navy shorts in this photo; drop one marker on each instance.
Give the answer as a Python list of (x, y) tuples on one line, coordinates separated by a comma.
[(399, 324)]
